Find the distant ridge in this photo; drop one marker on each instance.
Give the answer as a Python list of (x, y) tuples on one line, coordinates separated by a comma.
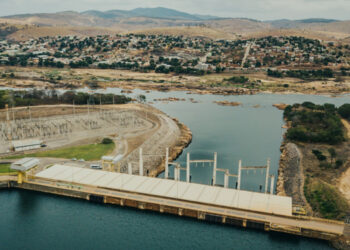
[(291, 24), (159, 12)]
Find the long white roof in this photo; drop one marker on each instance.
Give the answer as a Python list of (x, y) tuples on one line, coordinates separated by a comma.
[(26, 143), (172, 189)]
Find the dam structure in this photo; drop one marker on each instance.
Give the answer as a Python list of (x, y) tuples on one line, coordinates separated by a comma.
[(213, 203)]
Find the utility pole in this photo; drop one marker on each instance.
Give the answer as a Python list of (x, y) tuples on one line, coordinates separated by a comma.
[(9, 135), (267, 175), (73, 109), (166, 174)]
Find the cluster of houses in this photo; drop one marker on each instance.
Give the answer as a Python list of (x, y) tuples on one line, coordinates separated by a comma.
[(172, 53)]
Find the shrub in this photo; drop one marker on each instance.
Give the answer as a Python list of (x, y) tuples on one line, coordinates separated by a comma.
[(325, 199), (344, 111), (319, 155), (339, 163), (107, 141)]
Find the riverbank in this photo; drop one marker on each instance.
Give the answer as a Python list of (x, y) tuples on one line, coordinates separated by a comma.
[(184, 140), (316, 175), (27, 77)]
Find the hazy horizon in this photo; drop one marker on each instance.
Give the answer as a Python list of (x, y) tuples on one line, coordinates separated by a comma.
[(253, 9)]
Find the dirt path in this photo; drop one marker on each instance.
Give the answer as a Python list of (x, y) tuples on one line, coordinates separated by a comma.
[(347, 126), (344, 180), (344, 184)]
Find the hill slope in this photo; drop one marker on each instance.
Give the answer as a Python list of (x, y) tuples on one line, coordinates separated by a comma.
[(146, 19)]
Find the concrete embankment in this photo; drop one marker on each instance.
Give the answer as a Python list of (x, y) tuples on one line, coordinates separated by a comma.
[(5, 180), (4, 184), (290, 174), (184, 140)]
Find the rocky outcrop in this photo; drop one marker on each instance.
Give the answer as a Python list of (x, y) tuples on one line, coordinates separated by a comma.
[(280, 106), (227, 103)]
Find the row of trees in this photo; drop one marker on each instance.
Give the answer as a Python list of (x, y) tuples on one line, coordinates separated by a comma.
[(302, 74), (41, 97)]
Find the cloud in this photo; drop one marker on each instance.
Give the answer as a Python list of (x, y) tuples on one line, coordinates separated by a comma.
[(257, 9)]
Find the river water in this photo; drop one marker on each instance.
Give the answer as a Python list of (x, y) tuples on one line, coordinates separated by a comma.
[(249, 133)]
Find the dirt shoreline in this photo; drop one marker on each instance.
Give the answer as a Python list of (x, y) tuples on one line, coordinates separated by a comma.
[(184, 141), (33, 77)]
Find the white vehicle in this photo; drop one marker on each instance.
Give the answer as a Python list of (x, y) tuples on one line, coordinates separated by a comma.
[(95, 166)]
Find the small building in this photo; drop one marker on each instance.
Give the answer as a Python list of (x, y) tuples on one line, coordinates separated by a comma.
[(25, 164), (111, 161), (24, 145)]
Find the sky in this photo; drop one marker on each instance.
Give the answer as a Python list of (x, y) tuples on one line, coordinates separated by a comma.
[(255, 9)]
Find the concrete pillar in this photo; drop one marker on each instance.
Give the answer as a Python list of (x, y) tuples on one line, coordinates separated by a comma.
[(226, 179), (129, 168), (272, 184), (239, 174), (175, 172), (214, 168), (140, 163), (166, 174), (188, 168), (267, 175), (20, 178)]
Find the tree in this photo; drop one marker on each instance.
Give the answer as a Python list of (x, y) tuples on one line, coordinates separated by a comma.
[(141, 98), (107, 141), (344, 111)]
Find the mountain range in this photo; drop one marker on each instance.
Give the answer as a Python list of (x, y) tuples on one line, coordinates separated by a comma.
[(146, 19)]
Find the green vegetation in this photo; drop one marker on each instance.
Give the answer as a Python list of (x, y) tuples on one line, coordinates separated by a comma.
[(141, 98), (344, 111), (107, 141), (89, 152), (325, 199), (333, 162), (42, 97), (302, 74), (238, 79), (5, 168), (319, 155), (314, 123)]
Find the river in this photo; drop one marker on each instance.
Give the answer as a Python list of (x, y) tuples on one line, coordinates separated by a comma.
[(249, 133)]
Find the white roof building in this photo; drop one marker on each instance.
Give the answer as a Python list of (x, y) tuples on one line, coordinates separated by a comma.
[(23, 145), (25, 164), (166, 188)]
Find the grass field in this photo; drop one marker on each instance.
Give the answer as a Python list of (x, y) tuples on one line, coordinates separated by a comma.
[(325, 199), (87, 152), (5, 168)]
